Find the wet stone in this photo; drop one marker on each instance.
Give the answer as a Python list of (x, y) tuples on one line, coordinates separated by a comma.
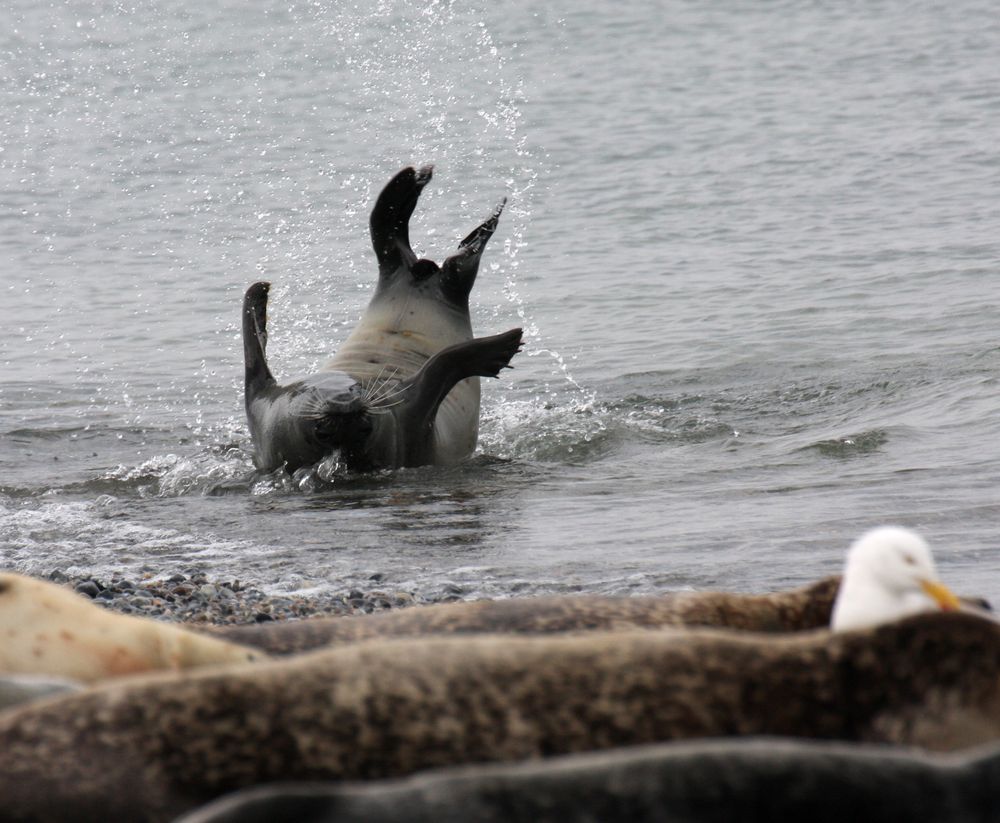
[(89, 588)]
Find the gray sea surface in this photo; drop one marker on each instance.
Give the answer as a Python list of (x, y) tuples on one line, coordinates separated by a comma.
[(755, 248)]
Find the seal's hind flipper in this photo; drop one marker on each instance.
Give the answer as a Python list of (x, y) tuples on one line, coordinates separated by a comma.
[(390, 219), (256, 373), (481, 357), (458, 272)]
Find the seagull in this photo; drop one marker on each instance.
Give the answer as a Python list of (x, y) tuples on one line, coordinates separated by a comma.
[(889, 575)]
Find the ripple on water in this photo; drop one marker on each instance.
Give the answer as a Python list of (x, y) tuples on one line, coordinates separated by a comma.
[(853, 445)]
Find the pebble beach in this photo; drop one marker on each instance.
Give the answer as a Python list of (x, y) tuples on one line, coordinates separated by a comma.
[(189, 596)]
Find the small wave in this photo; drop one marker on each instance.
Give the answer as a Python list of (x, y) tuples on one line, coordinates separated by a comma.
[(854, 445), (172, 475), (80, 536), (536, 429)]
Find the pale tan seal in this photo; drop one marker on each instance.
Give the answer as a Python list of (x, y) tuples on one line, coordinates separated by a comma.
[(807, 607), (47, 629), (150, 748)]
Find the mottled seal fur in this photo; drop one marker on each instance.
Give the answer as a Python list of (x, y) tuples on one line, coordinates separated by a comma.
[(751, 780), (160, 745), (46, 629), (380, 424), (798, 609)]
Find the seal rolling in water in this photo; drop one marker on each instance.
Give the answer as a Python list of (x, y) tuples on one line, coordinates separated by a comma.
[(375, 424), (403, 390)]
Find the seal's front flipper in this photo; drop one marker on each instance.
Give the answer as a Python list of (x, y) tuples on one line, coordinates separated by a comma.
[(482, 357), (390, 219), (458, 273)]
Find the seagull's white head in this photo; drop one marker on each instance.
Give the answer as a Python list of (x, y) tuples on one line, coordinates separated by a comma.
[(889, 575)]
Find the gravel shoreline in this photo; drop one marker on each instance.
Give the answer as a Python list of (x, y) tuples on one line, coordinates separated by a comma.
[(188, 596)]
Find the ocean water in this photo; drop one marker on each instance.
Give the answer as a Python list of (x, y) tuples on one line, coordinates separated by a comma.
[(754, 248)]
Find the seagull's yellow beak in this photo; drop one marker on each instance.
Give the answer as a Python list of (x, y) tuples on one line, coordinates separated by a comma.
[(941, 595)]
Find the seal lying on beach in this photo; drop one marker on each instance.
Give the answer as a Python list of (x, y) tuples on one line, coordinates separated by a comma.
[(787, 611), (403, 390), (149, 748), (750, 780), (46, 629), (385, 424), (794, 610)]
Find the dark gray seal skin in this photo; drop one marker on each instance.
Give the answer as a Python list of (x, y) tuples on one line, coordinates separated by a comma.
[(753, 780), (17, 689), (418, 309), (798, 609), (383, 424), (154, 747)]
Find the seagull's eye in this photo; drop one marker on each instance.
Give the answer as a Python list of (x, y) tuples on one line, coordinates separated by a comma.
[(909, 559)]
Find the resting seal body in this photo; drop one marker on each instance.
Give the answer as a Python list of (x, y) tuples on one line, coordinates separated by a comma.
[(752, 780), (152, 747), (46, 629), (404, 388), (798, 609)]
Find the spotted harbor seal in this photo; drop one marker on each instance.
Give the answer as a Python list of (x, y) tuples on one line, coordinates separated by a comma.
[(794, 610), (46, 629), (798, 609), (156, 746), (383, 424), (403, 390), (752, 780)]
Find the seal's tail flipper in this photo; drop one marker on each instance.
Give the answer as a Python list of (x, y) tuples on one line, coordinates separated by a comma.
[(481, 357), (458, 272), (257, 374), (390, 219)]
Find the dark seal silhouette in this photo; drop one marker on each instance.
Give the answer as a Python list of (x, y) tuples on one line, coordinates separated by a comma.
[(751, 780)]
